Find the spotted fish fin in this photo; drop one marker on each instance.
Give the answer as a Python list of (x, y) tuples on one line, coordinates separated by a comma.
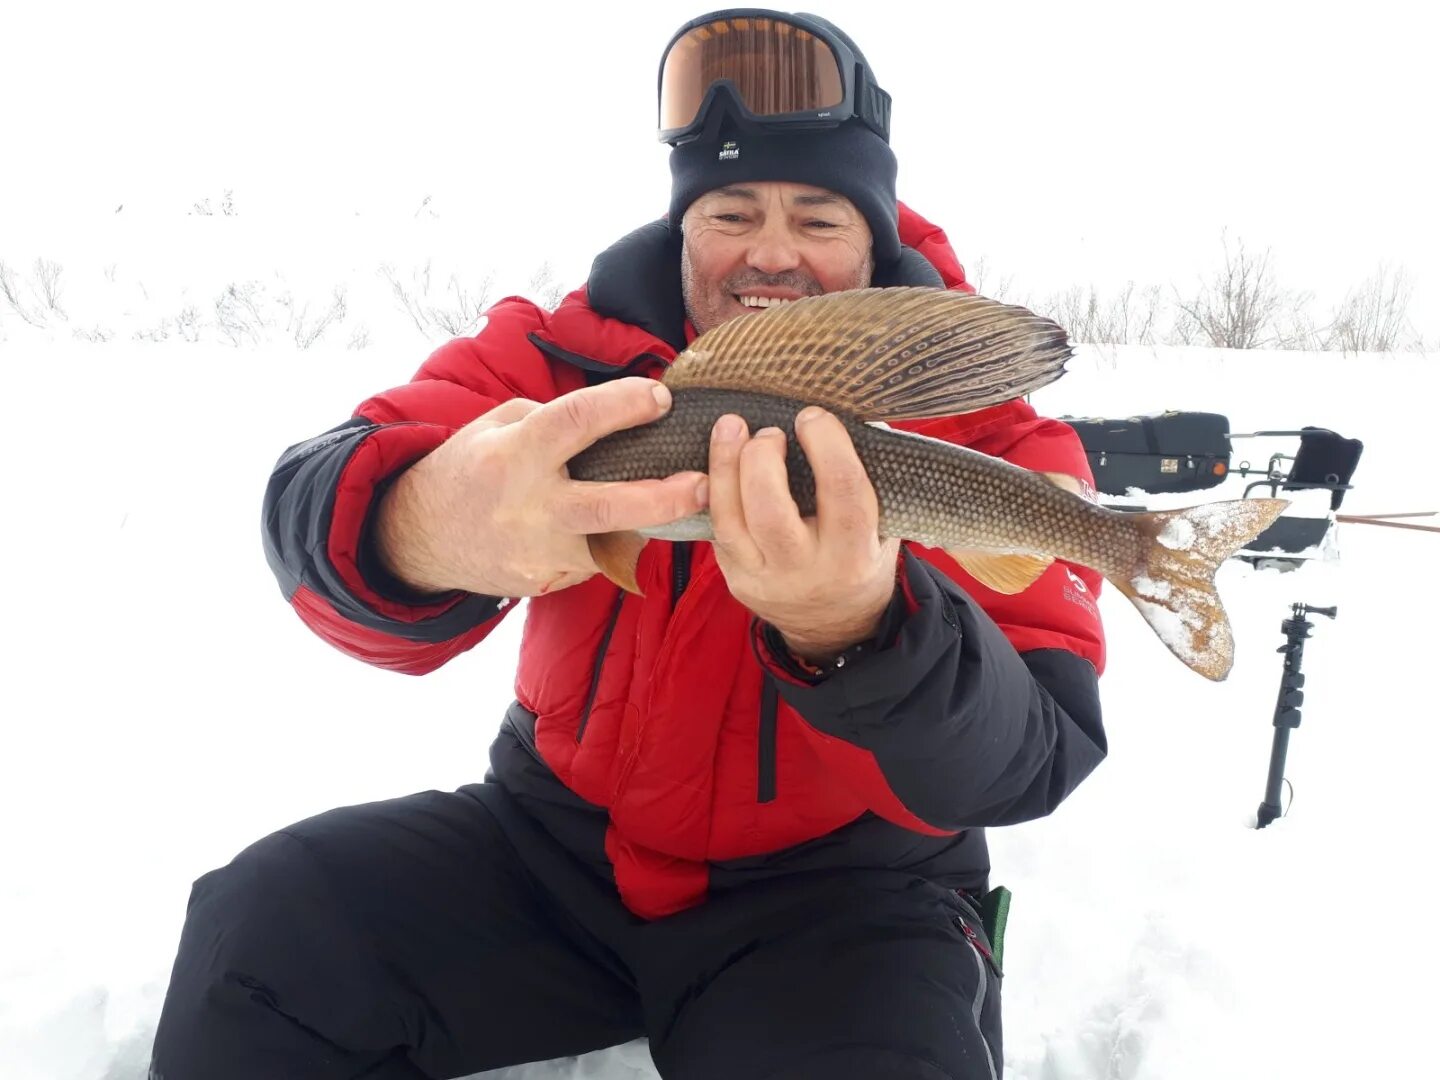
[(617, 554), (880, 354), (1066, 482), (1004, 573)]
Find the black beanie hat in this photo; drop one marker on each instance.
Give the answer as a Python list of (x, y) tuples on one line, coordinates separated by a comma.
[(850, 159)]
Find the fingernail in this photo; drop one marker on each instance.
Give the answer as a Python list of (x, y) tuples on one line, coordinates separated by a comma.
[(810, 412), (702, 491), (728, 429), (763, 432), (662, 395)]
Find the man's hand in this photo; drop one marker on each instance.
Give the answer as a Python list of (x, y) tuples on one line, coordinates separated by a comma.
[(824, 582), (493, 511)]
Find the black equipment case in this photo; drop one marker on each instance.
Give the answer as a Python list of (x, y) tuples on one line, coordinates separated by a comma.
[(1166, 452)]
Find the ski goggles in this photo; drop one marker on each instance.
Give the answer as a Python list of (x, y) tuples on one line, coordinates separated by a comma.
[(776, 70)]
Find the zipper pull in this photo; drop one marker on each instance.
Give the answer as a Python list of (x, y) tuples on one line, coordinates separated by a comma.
[(974, 940)]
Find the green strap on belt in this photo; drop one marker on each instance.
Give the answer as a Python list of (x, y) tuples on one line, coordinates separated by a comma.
[(994, 912)]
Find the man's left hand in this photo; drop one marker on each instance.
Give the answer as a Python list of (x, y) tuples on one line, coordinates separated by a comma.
[(823, 582)]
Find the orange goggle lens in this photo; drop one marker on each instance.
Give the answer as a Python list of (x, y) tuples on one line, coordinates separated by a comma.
[(776, 68)]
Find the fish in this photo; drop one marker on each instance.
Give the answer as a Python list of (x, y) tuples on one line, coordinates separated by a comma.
[(871, 356)]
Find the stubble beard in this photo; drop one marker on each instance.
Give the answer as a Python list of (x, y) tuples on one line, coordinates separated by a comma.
[(704, 309)]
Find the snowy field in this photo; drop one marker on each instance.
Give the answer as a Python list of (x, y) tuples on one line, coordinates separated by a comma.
[(163, 708)]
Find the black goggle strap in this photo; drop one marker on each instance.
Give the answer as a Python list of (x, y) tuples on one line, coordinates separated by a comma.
[(872, 105)]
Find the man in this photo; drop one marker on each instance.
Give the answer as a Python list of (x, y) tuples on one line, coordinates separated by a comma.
[(741, 815)]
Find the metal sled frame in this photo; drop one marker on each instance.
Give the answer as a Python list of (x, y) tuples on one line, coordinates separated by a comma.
[(1325, 461)]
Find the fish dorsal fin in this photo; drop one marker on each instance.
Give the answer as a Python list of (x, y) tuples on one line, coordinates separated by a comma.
[(1006, 574), (880, 354)]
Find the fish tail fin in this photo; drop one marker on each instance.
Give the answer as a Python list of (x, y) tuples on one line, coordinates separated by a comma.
[(1174, 589)]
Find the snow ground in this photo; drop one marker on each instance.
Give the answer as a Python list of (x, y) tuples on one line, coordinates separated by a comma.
[(164, 708)]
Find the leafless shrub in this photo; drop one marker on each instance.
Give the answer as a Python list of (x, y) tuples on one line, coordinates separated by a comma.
[(405, 298), (227, 204), (989, 283), (1295, 326), (456, 313), (1374, 316), (10, 290), (188, 324), (359, 338), (1237, 308), (464, 315), (201, 208), (305, 331), (1123, 319), (97, 334), (1184, 329), (545, 289), (1143, 312), (47, 285), (159, 332), (238, 314)]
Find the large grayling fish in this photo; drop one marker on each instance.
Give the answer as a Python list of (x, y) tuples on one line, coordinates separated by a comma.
[(894, 354)]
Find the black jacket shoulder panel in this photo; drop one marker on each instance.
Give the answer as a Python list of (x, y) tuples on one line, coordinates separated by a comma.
[(637, 280)]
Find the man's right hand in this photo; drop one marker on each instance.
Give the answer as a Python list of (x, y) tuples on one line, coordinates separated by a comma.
[(493, 511)]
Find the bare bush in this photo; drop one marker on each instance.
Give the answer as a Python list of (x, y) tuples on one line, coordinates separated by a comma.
[(456, 313), (1237, 308), (238, 314), (305, 331), (405, 298), (47, 285), (158, 332), (545, 289), (1295, 326), (359, 338), (1374, 316), (1124, 319), (97, 334), (204, 208), (463, 315), (10, 290), (989, 283), (188, 323)]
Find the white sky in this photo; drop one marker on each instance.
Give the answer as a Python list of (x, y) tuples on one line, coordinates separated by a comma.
[(1066, 142)]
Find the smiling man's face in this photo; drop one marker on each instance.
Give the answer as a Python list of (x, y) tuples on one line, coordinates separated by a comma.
[(753, 245)]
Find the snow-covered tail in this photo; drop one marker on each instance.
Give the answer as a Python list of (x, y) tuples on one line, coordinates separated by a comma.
[(1175, 589)]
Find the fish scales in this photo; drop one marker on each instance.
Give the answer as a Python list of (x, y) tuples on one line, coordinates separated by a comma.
[(929, 491)]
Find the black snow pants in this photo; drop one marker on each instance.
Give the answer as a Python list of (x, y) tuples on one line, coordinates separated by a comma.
[(444, 934)]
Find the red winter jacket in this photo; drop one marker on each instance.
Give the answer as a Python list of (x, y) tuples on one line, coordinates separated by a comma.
[(671, 720)]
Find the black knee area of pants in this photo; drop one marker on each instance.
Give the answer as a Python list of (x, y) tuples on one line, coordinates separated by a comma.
[(866, 1063), (869, 972), (267, 938)]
